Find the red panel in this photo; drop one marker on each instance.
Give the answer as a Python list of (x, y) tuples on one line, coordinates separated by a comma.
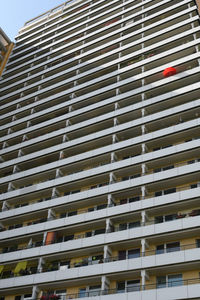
[(169, 72)]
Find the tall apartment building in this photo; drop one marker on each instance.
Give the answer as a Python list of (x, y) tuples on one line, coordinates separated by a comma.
[(6, 47), (100, 136)]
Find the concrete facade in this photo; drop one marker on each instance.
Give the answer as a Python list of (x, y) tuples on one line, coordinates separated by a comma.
[(99, 153)]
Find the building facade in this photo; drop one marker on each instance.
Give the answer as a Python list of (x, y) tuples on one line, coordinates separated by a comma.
[(100, 136), (6, 47)]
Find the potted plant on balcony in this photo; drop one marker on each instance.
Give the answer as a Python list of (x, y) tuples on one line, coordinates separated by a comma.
[(54, 297), (180, 216), (50, 297), (43, 297)]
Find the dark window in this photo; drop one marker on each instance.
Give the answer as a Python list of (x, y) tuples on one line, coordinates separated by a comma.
[(134, 224), (156, 149), (76, 191), (94, 290), (160, 249), (88, 234), (122, 226), (133, 285), (18, 297), (157, 170), (135, 176), (169, 191), (63, 215), (59, 239), (82, 293), (198, 243), (175, 280), (90, 209), (167, 146), (99, 231), (134, 199), (170, 217), (68, 238), (159, 219), (134, 253), (102, 206), (168, 168), (161, 282), (191, 162), (72, 213), (122, 254), (121, 287), (123, 201), (171, 247), (193, 186), (159, 193), (125, 178)]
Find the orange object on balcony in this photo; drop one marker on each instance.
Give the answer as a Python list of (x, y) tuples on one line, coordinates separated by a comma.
[(169, 72), (111, 21), (50, 238)]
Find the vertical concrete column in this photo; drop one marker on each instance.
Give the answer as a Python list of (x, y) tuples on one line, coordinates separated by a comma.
[(16, 169), (143, 112), (61, 155), (105, 282), (41, 262), (143, 216), (9, 131), (30, 243), (144, 148), (5, 144), (51, 214), (112, 178), (65, 138), (71, 107), (68, 123), (144, 169), (113, 157), (107, 252), (5, 206), (144, 246), (144, 277), (58, 173), (114, 139), (14, 118), (115, 121), (143, 129), (28, 124), (109, 225), (55, 193), (144, 192), (11, 187), (110, 200), (24, 138), (44, 237), (117, 106), (32, 111), (35, 292)]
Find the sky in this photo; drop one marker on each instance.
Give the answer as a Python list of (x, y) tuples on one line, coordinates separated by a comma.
[(14, 13)]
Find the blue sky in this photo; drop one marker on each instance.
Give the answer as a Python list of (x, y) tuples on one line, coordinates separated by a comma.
[(14, 13)]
